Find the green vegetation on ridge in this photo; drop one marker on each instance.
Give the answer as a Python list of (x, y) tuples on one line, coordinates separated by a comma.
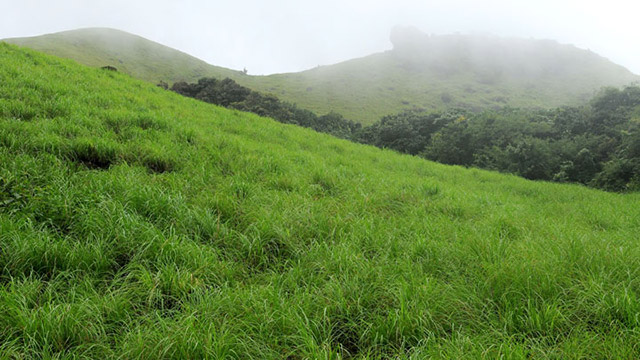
[(426, 72), (597, 145), (136, 223)]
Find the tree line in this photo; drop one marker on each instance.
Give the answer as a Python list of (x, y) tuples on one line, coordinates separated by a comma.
[(230, 94), (596, 145)]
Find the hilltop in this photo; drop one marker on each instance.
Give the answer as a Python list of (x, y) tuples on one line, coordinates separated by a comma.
[(421, 71), (136, 223), (131, 54)]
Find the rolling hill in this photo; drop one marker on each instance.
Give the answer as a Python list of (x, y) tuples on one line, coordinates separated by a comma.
[(131, 54), (136, 223), (421, 71)]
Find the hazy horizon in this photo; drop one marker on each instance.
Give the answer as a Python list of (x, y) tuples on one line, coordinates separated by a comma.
[(293, 36)]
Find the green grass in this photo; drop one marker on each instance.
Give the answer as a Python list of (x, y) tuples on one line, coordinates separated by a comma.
[(446, 71), (135, 223)]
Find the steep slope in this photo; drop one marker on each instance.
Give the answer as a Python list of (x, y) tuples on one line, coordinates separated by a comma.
[(431, 72), (135, 223)]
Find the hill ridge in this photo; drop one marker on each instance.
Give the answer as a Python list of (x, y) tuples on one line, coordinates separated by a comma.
[(101, 46)]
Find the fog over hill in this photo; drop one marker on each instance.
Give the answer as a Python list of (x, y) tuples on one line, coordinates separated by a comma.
[(492, 57)]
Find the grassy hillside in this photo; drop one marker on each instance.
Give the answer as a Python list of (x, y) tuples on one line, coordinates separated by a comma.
[(131, 54), (135, 223), (431, 72)]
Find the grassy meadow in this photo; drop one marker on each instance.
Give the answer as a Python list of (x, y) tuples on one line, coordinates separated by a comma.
[(138, 224)]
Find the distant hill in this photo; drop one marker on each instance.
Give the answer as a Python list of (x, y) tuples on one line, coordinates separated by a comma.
[(435, 72), (421, 71), (132, 54)]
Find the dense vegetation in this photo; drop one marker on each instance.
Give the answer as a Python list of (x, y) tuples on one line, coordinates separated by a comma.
[(229, 94), (136, 223), (597, 145), (422, 71)]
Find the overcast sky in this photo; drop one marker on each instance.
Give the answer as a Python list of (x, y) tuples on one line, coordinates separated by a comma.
[(269, 36)]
